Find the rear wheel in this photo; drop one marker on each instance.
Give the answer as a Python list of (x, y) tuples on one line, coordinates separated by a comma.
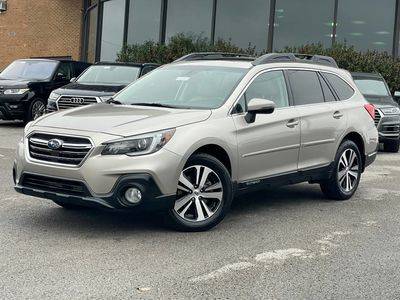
[(204, 194), (346, 174), (391, 146)]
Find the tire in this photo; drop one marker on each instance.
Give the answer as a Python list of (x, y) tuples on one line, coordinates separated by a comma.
[(202, 200), (69, 206), (337, 187), (391, 146), (35, 109)]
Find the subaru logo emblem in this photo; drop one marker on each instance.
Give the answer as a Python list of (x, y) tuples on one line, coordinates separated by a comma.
[(54, 144), (77, 100)]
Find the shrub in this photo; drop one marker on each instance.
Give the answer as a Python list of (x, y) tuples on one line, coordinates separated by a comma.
[(346, 56)]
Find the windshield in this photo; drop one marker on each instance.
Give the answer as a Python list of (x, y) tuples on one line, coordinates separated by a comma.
[(29, 69), (109, 75), (184, 86), (373, 87)]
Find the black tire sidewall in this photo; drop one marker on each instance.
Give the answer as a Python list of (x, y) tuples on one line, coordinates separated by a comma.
[(29, 114), (222, 172), (343, 147)]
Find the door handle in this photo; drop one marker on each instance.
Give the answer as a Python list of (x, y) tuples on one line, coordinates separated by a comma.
[(337, 115), (292, 123)]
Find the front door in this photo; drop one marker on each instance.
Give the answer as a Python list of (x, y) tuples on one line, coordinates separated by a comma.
[(270, 145)]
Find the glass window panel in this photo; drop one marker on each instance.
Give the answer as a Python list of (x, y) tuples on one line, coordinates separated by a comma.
[(305, 87), (112, 30), (243, 22), (144, 21), (342, 89), (189, 17), (366, 24), (303, 22)]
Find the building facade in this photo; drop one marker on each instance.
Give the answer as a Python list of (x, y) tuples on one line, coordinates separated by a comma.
[(96, 30)]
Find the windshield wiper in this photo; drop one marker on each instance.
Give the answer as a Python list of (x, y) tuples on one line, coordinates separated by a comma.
[(112, 101), (156, 105)]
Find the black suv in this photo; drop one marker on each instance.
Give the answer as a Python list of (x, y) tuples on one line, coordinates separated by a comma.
[(26, 84), (97, 84), (387, 112)]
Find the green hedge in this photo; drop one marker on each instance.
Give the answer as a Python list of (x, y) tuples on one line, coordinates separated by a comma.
[(346, 57)]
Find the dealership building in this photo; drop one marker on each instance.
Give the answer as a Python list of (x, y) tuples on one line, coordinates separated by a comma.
[(94, 30)]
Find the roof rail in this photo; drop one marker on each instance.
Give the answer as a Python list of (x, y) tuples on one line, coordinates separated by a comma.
[(293, 57), (215, 56)]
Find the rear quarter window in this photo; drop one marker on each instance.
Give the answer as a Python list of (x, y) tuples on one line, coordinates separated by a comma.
[(343, 90)]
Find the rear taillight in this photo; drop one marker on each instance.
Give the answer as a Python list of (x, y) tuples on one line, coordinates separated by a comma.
[(370, 109)]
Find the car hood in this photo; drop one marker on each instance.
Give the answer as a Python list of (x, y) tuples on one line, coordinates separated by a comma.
[(381, 101), (77, 89), (14, 83), (122, 120)]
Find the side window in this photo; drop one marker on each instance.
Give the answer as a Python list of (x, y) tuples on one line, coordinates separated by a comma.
[(327, 90), (270, 86), (65, 70), (342, 89), (306, 87), (147, 69)]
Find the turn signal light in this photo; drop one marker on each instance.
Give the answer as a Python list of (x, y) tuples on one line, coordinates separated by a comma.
[(370, 109)]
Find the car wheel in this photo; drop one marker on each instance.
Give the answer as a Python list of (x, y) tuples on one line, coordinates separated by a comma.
[(391, 146), (69, 206), (204, 195), (36, 109), (346, 174)]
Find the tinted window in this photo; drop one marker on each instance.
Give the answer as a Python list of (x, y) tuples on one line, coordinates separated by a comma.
[(305, 87), (270, 86), (303, 22), (65, 70), (192, 17), (144, 21), (342, 89), (242, 22), (327, 91)]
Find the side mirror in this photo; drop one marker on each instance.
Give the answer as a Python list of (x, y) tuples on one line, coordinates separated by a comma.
[(258, 106), (73, 79)]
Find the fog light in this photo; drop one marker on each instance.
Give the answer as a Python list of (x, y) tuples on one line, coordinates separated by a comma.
[(133, 195)]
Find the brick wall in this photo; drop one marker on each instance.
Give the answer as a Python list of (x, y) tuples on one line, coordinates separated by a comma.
[(31, 28)]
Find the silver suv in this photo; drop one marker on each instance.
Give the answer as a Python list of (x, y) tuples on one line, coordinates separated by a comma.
[(190, 135)]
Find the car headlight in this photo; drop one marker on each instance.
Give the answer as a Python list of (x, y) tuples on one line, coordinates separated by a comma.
[(53, 96), (139, 145), (15, 91), (390, 110)]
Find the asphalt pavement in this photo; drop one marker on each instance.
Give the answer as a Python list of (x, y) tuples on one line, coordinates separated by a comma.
[(285, 243)]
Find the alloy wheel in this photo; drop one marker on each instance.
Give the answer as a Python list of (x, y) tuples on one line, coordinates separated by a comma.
[(348, 170), (38, 110), (199, 195)]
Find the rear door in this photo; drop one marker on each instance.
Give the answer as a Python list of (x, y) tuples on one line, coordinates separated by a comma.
[(315, 103), (270, 145)]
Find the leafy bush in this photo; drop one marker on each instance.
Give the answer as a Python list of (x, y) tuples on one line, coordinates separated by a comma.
[(347, 57)]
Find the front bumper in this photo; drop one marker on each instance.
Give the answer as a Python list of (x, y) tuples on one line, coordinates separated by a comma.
[(104, 177), (12, 107), (389, 128)]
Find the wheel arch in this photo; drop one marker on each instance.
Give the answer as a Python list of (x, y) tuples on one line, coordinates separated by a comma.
[(359, 141)]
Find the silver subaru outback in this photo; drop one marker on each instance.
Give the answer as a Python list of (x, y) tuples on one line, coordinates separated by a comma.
[(189, 136)]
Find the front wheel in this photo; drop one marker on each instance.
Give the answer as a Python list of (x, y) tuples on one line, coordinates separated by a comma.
[(204, 194), (36, 109), (346, 174)]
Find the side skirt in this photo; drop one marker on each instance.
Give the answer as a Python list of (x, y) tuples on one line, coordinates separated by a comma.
[(312, 176)]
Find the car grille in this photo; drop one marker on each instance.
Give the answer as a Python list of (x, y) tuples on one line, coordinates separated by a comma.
[(55, 185), (72, 150), (69, 102), (377, 117), (391, 129)]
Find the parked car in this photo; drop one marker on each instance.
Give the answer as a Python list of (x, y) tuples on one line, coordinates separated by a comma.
[(26, 84), (387, 112), (97, 84), (190, 135)]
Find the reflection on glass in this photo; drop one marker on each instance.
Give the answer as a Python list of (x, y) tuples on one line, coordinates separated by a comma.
[(144, 21), (191, 17), (112, 30), (303, 22), (243, 22), (366, 24)]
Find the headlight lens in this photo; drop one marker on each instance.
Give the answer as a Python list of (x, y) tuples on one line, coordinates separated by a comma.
[(140, 145), (54, 96), (15, 91), (390, 110)]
